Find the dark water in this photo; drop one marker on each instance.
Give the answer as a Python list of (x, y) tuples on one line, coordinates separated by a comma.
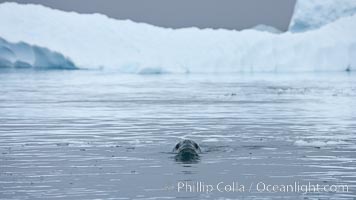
[(102, 135)]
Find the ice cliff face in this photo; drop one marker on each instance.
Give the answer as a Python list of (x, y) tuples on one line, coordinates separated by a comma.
[(313, 14), (96, 41), (22, 55)]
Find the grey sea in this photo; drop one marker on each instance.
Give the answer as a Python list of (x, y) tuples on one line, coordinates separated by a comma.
[(86, 134)]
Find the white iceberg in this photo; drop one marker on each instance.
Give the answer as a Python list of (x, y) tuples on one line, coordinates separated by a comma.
[(266, 28), (96, 41), (22, 55), (312, 14)]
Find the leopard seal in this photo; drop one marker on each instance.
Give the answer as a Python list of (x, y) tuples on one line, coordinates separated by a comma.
[(187, 151)]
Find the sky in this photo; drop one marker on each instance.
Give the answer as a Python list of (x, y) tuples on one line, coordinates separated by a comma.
[(227, 14)]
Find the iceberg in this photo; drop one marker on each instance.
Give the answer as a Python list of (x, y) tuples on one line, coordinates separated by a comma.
[(266, 28), (95, 41), (313, 14), (22, 55)]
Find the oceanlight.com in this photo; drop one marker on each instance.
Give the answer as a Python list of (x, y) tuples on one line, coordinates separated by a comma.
[(260, 187)]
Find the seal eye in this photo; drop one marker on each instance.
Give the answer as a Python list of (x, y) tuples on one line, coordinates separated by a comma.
[(196, 146), (177, 146)]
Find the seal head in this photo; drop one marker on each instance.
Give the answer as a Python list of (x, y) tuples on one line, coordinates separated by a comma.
[(187, 150)]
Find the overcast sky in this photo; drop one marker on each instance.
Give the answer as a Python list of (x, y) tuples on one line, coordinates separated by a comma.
[(230, 14)]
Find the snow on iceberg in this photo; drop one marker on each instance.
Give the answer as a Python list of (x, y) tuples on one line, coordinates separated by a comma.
[(22, 55), (96, 41), (312, 14)]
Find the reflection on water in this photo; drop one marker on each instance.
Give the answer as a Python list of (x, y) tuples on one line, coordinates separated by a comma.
[(100, 135)]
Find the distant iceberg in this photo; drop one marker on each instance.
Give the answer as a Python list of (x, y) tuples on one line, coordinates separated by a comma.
[(313, 14), (266, 28), (96, 41), (22, 55)]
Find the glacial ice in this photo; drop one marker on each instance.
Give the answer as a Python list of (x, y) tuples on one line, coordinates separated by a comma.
[(312, 14), (266, 28), (22, 55), (96, 41)]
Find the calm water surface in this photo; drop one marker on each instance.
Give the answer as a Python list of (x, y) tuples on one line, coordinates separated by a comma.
[(104, 135)]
